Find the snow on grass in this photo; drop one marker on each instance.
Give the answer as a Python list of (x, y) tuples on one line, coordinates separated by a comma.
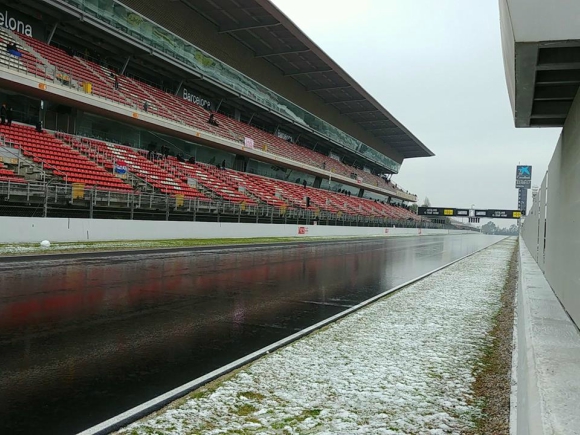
[(35, 248), (404, 364)]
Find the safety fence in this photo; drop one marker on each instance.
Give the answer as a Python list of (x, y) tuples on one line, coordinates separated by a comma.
[(52, 199)]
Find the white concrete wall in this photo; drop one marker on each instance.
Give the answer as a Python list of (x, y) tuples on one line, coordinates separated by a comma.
[(557, 207), (547, 359), (34, 230), (542, 20)]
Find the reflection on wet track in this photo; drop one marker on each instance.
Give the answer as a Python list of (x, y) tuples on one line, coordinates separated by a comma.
[(83, 340)]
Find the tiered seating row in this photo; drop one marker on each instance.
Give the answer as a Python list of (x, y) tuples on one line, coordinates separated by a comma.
[(209, 177), (170, 176), (72, 69), (63, 161), (175, 108), (110, 155), (26, 62), (284, 194)]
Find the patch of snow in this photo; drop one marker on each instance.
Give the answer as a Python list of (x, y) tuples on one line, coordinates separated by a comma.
[(401, 365)]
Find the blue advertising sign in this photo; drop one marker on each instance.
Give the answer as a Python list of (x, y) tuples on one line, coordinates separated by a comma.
[(523, 177)]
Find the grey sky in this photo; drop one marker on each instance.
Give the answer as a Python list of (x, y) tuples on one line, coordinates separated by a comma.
[(437, 66)]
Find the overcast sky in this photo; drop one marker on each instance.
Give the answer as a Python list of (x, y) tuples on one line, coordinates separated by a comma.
[(437, 67)]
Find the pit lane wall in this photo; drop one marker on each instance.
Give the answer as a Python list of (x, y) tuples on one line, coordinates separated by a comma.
[(551, 229), (34, 230)]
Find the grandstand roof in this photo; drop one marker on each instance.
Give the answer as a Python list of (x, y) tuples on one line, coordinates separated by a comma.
[(263, 28), (541, 47)]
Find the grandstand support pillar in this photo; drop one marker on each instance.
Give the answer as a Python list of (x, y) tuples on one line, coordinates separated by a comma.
[(361, 193), (195, 211), (132, 206), (179, 87), (239, 214), (166, 207), (45, 207), (317, 182), (52, 31), (91, 204), (125, 64), (272, 215), (251, 118), (219, 105)]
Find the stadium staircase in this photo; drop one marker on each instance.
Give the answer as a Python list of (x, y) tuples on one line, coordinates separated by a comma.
[(8, 160), (23, 168), (27, 62), (147, 175), (209, 178)]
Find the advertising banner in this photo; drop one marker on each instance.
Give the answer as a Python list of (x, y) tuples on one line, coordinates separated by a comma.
[(523, 177)]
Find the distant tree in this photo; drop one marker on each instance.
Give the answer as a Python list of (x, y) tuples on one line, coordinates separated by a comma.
[(426, 202), (489, 228), (414, 208)]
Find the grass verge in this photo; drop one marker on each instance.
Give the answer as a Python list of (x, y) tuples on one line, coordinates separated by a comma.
[(76, 247), (492, 386)]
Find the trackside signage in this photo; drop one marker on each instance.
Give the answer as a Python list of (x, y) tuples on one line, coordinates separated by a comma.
[(16, 22), (192, 98), (523, 177), (465, 212), (436, 211)]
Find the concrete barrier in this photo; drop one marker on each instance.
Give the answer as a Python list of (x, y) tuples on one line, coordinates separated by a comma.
[(546, 393), (33, 230)]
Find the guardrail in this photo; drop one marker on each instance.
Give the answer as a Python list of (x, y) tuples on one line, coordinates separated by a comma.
[(55, 199)]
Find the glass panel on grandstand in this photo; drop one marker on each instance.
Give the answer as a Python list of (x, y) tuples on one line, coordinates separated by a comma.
[(135, 25)]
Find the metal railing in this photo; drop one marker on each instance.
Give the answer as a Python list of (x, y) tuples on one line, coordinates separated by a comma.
[(68, 79), (53, 199)]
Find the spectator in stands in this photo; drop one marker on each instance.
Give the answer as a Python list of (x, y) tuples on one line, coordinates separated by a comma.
[(304, 183), (307, 201), (3, 111), (212, 120), (13, 49), (9, 116), (39, 126), (116, 84), (192, 160), (223, 163), (146, 106), (323, 165), (180, 158)]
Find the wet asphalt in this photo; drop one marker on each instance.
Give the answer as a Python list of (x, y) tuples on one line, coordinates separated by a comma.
[(84, 339)]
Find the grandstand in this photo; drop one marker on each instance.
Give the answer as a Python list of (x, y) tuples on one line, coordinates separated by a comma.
[(124, 92)]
